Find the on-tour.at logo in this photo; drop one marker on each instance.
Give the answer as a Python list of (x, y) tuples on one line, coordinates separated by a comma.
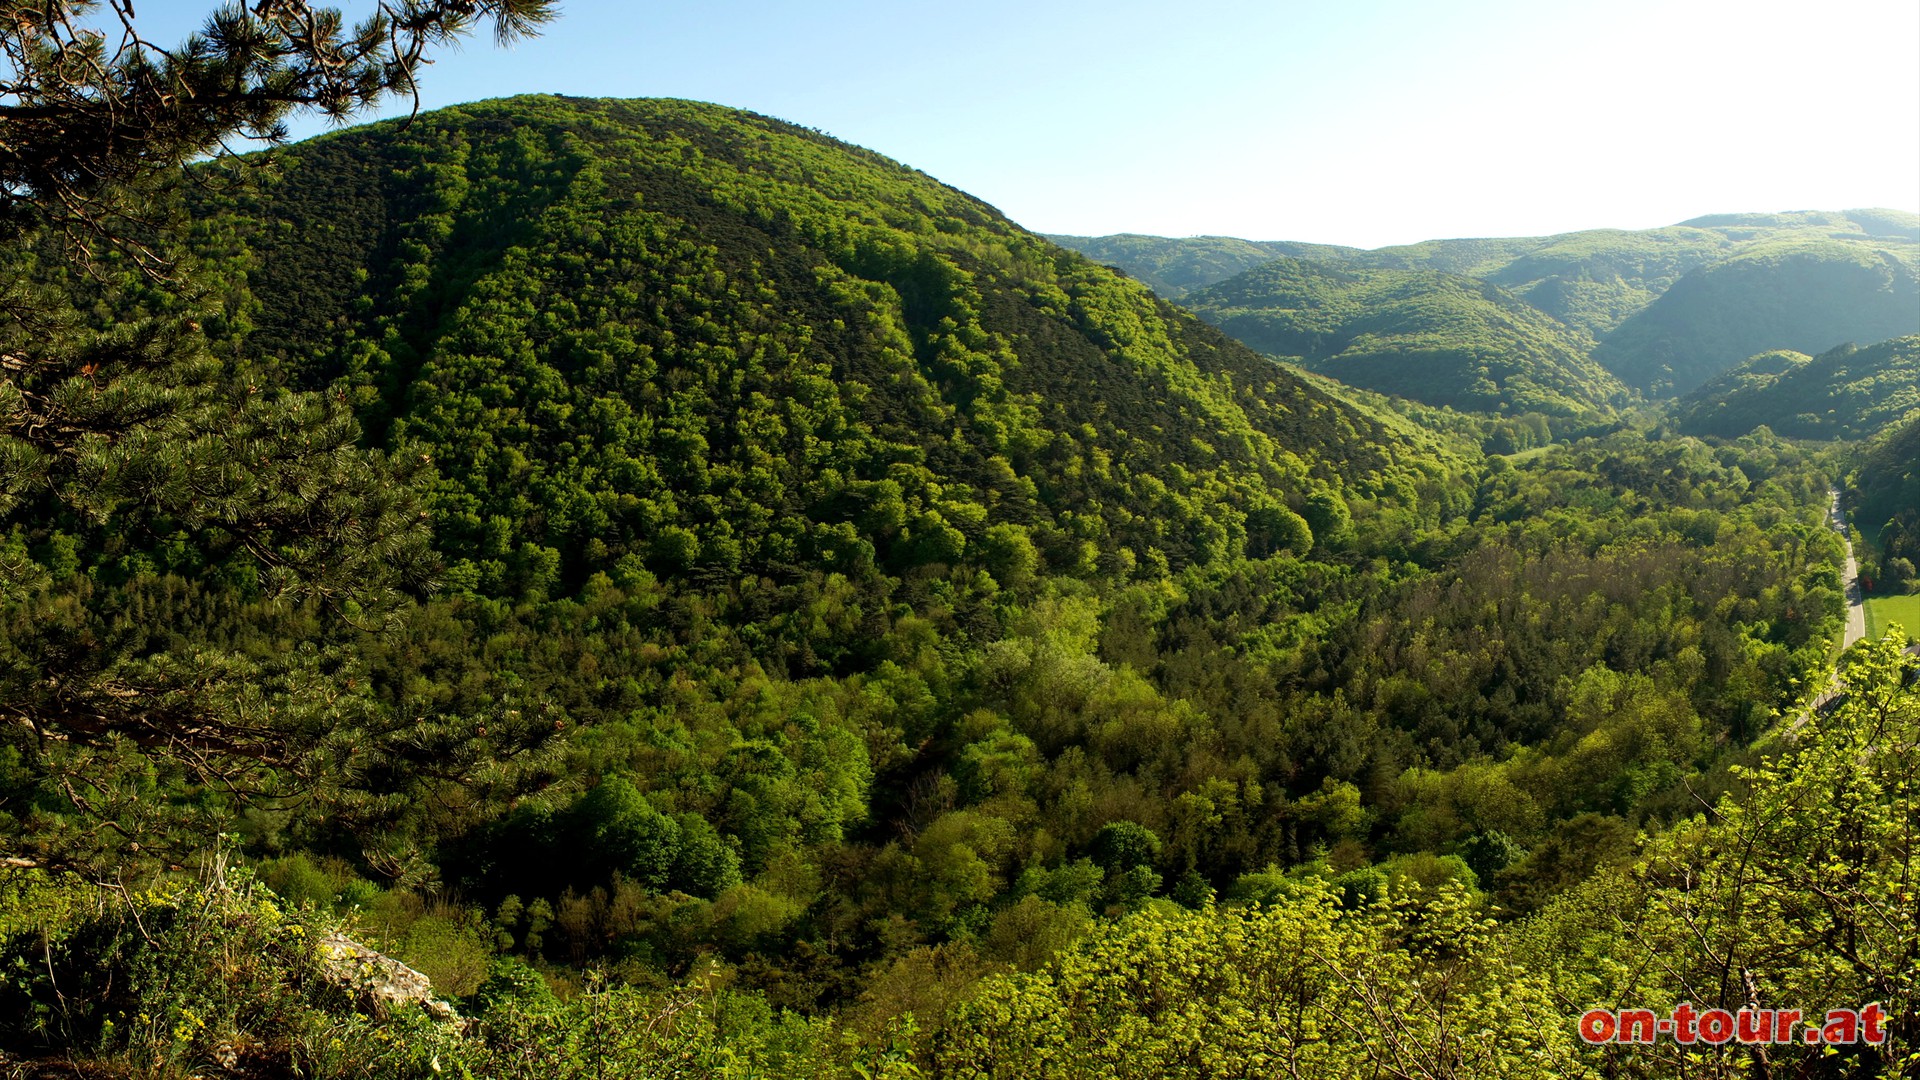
[(1717, 1027)]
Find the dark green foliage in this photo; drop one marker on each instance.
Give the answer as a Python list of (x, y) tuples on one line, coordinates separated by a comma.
[(1123, 845), (1428, 335), (1885, 496), (850, 598), (184, 551), (612, 832), (1488, 853), (212, 539), (615, 827), (1844, 393)]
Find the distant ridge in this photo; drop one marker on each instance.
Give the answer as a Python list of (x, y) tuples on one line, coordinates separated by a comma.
[(1806, 294), (1431, 336), (1174, 268), (1805, 281), (1844, 393), (1872, 222), (681, 337)]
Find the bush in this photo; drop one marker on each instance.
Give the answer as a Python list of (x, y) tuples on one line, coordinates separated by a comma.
[(190, 981)]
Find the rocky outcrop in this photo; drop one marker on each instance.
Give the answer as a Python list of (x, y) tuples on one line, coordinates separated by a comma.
[(378, 981)]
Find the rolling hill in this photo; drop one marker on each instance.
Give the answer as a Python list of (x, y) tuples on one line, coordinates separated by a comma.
[(1807, 295), (671, 335), (1592, 279), (1173, 268), (1885, 495), (1432, 336), (855, 609), (1844, 393), (1669, 308), (1596, 279)]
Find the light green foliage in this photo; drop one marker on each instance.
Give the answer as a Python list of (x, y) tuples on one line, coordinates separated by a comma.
[(1418, 985), (692, 1032), (1796, 892)]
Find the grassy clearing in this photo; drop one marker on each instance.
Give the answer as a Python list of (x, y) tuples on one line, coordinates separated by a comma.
[(1883, 610), (1531, 453)]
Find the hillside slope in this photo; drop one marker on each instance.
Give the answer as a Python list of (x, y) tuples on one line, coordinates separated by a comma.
[(1434, 337), (1595, 279), (843, 587), (1844, 393), (720, 344), (1806, 295), (1175, 267), (1886, 493), (1591, 280)]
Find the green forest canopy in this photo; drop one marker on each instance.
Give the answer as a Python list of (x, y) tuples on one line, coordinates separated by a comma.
[(1431, 336), (860, 623), (1848, 392)]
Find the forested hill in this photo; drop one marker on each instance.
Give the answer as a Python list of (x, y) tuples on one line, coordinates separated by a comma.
[(860, 618), (1432, 336), (1173, 268), (1670, 307), (1886, 496), (1807, 295), (1596, 279), (1592, 279), (679, 336), (1844, 393)]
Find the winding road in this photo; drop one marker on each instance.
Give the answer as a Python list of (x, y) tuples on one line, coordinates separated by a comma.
[(1856, 622), (1856, 601)]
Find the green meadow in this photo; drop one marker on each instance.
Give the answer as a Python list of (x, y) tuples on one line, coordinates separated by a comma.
[(1887, 610)]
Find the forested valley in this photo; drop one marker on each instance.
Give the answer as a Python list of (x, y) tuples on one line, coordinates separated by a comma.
[(719, 602)]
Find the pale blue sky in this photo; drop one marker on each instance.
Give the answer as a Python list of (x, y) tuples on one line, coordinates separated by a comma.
[(1363, 122)]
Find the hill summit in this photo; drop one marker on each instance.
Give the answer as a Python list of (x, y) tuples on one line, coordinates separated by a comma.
[(676, 336)]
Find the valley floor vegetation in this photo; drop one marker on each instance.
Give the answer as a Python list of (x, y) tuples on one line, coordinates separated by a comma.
[(1793, 889)]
